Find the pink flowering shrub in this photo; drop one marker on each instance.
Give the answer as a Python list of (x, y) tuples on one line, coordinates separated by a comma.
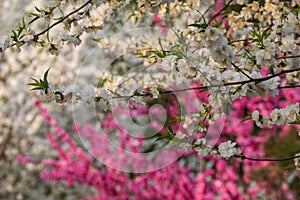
[(212, 177)]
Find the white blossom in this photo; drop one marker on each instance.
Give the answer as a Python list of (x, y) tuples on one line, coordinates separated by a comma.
[(228, 149), (240, 34), (266, 56), (186, 146), (180, 136), (136, 88), (169, 62), (288, 44), (105, 96), (154, 92), (70, 89), (201, 148), (230, 76), (297, 161), (203, 151), (270, 85), (201, 141), (71, 39), (278, 116), (87, 94), (4, 45), (99, 14), (212, 33)]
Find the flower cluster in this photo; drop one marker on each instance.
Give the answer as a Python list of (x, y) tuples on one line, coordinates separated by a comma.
[(202, 148), (278, 116), (217, 43), (228, 149), (73, 93)]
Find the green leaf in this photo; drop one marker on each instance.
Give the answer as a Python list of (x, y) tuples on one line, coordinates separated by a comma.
[(236, 7), (37, 9), (35, 79), (132, 15), (163, 137), (246, 118), (297, 122), (201, 26), (37, 88), (40, 84), (97, 39), (46, 75), (33, 14), (171, 131), (158, 53), (265, 33)]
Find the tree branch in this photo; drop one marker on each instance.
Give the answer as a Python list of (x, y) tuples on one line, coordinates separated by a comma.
[(284, 57), (218, 13), (257, 80), (243, 157), (63, 19), (36, 36), (289, 86), (242, 71)]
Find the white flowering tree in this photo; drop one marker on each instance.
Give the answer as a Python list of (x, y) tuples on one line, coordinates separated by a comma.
[(216, 79)]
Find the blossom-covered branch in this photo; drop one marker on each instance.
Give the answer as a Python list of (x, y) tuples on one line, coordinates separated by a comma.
[(35, 36)]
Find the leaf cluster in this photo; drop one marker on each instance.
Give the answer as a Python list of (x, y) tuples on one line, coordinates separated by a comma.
[(40, 84), (18, 34), (259, 36)]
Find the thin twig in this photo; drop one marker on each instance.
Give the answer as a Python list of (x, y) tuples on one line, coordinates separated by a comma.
[(289, 86), (33, 20), (210, 7), (61, 20), (241, 40), (257, 80), (218, 13), (284, 57), (241, 71), (50, 27), (267, 159)]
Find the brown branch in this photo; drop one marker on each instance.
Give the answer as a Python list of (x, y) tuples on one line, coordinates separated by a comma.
[(61, 20), (284, 57), (218, 13), (257, 80), (289, 86), (241, 40), (33, 20), (50, 27), (243, 157), (242, 71)]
